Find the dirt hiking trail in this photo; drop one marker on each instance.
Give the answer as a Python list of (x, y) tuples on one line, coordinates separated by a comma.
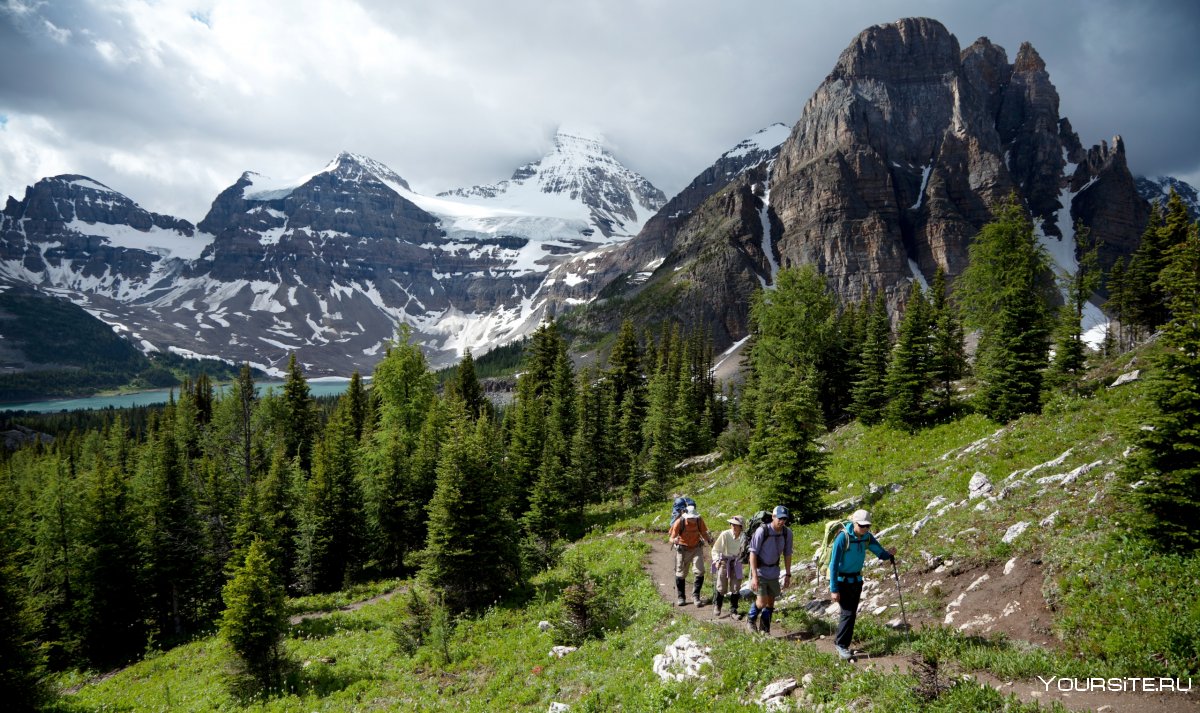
[(661, 567)]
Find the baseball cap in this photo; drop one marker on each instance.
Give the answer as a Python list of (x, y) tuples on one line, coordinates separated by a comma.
[(781, 513), (861, 517)]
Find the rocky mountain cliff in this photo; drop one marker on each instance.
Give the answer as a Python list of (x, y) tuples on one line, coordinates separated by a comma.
[(699, 259), (327, 265), (888, 174), (909, 140)]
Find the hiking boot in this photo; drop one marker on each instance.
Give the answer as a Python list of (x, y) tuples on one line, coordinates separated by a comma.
[(698, 601), (717, 611), (843, 652), (752, 624), (680, 600)]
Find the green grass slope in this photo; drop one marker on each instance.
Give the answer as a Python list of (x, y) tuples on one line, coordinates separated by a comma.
[(1118, 610)]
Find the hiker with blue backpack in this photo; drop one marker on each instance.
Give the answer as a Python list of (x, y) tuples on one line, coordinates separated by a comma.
[(688, 534), (848, 554), (770, 544)]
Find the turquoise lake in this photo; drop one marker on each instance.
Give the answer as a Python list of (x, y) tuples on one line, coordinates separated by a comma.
[(157, 396)]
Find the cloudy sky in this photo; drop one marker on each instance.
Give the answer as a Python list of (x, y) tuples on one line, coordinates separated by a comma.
[(168, 101)]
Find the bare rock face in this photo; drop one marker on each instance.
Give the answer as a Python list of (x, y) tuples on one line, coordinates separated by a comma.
[(902, 150)]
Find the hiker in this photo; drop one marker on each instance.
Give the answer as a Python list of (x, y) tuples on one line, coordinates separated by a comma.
[(770, 543), (727, 566), (687, 534), (845, 573)]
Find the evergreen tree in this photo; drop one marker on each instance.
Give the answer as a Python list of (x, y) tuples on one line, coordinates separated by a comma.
[(795, 326), (255, 619), (908, 378), (1070, 352), (21, 664), (173, 538), (359, 403), (465, 386), (629, 443), (625, 362), (593, 446), (786, 460), (116, 611), (1168, 226), (658, 433), (1006, 292), (299, 428), (1169, 458), (531, 410), (869, 393), (947, 357), (1117, 305), (470, 554), (332, 527), (58, 556), (407, 394), (277, 497)]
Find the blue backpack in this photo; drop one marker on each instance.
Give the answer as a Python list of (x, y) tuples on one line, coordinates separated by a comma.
[(680, 507)]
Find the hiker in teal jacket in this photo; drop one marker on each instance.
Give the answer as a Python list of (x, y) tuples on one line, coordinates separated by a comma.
[(845, 573)]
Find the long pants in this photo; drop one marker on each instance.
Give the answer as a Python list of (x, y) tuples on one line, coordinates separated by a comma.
[(849, 594), (688, 558)]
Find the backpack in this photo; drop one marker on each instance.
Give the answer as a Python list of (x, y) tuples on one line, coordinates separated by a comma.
[(680, 507), (824, 553), (762, 517)]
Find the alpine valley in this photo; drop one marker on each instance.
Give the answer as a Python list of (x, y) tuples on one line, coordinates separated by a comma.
[(886, 176)]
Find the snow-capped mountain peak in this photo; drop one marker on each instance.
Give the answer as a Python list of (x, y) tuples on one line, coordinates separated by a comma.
[(579, 178), (346, 166), (764, 141)]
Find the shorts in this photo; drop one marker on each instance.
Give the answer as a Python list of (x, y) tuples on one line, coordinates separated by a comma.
[(769, 587)]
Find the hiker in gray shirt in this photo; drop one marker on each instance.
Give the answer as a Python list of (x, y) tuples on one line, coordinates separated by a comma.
[(770, 544)]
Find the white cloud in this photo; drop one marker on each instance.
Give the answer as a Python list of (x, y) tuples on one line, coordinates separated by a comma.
[(169, 101)]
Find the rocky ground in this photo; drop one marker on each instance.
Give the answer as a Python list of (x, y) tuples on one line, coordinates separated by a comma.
[(1006, 599)]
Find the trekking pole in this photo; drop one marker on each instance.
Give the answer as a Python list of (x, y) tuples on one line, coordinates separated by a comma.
[(903, 615)]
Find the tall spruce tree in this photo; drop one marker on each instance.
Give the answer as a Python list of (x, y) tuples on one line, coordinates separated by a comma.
[(1006, 292), (470, 554), (870, 393), (407, 392), (788, 464), (793, 327), (1117, 305), (300, 424), (116, 609), (530, 412), (361, 416), (21, 661), (332, 522), (1168, 461), (947, 356), (908, 377), (57, 559), (1168, 226), (1070, 356), (173, 538), (465, 386)]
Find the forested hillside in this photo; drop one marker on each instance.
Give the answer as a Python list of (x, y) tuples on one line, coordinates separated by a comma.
[(116, 545)]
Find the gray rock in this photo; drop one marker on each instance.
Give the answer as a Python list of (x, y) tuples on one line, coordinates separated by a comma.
[(1014, 531), (980, 486), (1127, 377), (782, 687)]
